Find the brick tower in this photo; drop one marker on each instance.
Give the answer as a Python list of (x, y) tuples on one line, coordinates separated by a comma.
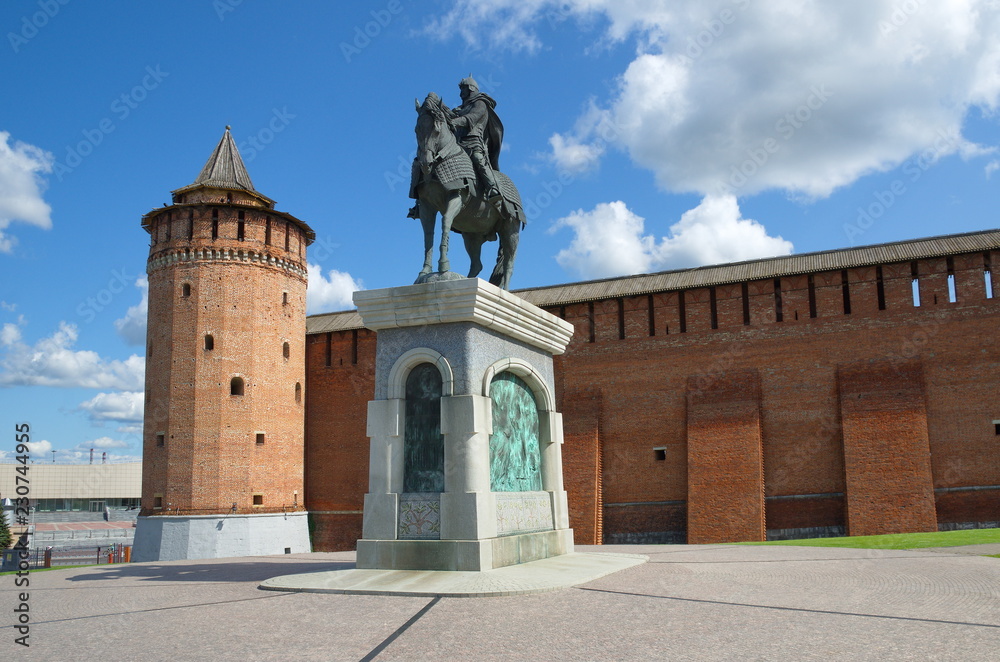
[(223, 438)]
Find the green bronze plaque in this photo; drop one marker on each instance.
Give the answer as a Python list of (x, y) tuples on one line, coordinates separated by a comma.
[(423, 443), (515, 460)]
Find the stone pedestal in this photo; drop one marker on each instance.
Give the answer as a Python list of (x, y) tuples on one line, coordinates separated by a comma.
[(489, 508)]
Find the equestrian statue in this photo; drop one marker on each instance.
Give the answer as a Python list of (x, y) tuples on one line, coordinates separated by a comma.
[(456, 174)]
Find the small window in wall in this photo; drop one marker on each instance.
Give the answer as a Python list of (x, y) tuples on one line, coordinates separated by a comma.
[(240, 231), (284, 298), (258, 499), (267, 231), (191, 224), (161, 439), (660, 453), (209, 342), (157, 501), (288, 236), (260, 438), (298, 392), (285, 350), (236, 386), (186, 290)]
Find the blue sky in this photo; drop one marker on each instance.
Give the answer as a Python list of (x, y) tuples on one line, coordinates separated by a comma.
[(643, 136)]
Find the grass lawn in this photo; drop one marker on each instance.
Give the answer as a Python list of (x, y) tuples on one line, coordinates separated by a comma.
[(898, 540), (57, 567)]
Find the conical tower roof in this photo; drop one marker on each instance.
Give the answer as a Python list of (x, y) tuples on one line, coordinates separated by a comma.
[(224, 169)]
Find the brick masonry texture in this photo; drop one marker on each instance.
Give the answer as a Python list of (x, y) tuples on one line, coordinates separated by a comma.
[(645, 460), (226, 301)]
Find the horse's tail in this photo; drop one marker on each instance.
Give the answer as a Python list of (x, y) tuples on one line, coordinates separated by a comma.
[(497, 277)]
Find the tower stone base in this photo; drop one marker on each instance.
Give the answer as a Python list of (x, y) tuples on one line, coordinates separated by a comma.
[(177, 537), (485, 512)]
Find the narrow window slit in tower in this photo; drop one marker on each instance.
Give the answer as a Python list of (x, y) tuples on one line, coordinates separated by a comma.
[(987, 275), (621, 319), (236, 386), (285, 350), (186, 290), (880, 287), (713, 309), (329, 348), (591, 331), (288, 236), (167, 226), (846, 287), (652, 315), (812, 295), (191, 224), (915, 283), (284, 298), (209, 342), (682, 312), (298, 393), (241, 230), (745, 293), (260, 438), (267, 231), (952, 291), (161, 439), (779, 313), (215, 224), (354, 346)]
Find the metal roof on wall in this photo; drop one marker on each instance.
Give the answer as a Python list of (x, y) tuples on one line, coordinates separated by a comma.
[(683, 279)]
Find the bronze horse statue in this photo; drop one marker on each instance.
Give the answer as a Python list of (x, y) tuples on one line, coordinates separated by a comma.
[(447, 184)]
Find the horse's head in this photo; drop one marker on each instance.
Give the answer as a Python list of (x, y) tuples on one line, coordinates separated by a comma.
[(435, 140)]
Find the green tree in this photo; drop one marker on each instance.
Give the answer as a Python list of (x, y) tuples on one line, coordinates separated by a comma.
[(5, 536)]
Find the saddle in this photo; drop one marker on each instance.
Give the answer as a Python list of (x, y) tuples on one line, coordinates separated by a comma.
[(457, 173)]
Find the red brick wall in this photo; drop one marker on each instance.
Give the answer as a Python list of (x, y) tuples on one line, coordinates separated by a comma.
[(886, 450), (337, 398), (725, 467)]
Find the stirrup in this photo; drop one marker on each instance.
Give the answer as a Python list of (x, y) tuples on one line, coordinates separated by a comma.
[(414, 212)]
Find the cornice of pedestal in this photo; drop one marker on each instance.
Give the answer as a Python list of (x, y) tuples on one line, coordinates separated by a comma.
[(466, 300)]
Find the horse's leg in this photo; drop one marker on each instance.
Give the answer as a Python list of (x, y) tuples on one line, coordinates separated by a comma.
[(509, 236), (447, 216), (474, 247), (427, 215)]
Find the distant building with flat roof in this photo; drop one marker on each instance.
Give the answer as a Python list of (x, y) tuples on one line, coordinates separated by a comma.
[(76, 487)]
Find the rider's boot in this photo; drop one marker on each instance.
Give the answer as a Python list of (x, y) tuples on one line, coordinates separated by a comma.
[(414, 211)]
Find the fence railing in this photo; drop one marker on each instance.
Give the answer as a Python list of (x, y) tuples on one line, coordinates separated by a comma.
[(41, 557)]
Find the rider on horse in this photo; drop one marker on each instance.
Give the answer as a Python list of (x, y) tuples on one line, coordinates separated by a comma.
[(479, 132)]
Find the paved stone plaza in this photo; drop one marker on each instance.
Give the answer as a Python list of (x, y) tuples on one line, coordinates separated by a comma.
[(711, 602)]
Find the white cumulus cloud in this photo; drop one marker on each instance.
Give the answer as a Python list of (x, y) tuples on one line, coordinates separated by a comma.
[(52, 361), (739, 96), (21, 186), (38, 449), (611, 240), (330, 292), (132, 327), (122, 406)]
